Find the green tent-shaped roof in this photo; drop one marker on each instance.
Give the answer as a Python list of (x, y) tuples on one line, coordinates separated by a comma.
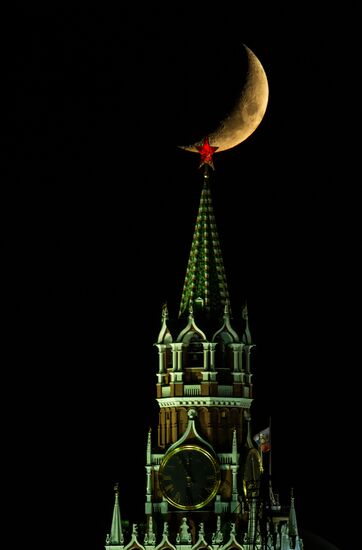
[(205, 287)]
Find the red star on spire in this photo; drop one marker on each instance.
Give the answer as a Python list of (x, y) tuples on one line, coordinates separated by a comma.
[(206, 151)]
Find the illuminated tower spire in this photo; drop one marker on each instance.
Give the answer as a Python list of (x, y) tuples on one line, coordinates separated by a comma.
[(292, 524), (205, 287), (115, 539)]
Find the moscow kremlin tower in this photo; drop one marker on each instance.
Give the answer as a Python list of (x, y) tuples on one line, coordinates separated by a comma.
[(207, 482)]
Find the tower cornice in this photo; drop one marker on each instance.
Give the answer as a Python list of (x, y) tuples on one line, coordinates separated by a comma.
[(208, 401)]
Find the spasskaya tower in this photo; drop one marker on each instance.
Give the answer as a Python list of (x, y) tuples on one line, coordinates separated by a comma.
[(205, 481)]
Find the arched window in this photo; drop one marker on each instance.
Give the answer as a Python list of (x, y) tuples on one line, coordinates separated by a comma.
[(223, 339), (195, 352)]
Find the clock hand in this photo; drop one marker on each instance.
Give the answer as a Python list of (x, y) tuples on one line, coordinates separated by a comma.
[(189, 493), (189, 480), (187, 467)]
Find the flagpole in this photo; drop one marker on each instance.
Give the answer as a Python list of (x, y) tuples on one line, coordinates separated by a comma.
[(270, 452), (271, 494)]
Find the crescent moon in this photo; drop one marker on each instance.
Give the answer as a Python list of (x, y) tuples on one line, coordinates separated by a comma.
[(247, 113)]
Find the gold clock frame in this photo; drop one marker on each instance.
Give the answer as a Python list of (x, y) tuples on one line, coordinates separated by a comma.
[(216, 469)]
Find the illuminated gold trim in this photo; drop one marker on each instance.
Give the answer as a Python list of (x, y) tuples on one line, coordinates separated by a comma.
[(216, 468)]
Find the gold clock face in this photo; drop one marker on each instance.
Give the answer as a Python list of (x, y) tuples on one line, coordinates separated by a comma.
[(189, 477)]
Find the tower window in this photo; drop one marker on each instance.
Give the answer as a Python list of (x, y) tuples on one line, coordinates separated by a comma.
[(196, 352)]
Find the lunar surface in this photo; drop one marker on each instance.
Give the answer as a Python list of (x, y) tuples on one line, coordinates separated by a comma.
[(247, 113)]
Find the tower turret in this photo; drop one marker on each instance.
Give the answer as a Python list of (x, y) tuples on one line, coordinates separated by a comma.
[(294, 542), (115, 539)]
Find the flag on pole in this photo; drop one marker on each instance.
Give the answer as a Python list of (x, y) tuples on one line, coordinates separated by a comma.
[(263, 440)]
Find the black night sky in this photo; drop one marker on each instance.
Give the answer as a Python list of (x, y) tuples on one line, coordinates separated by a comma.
[(99, 207)]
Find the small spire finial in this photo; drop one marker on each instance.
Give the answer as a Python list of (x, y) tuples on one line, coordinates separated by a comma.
[(245, 315), (116, 488), (191, 311), (164, 311)]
